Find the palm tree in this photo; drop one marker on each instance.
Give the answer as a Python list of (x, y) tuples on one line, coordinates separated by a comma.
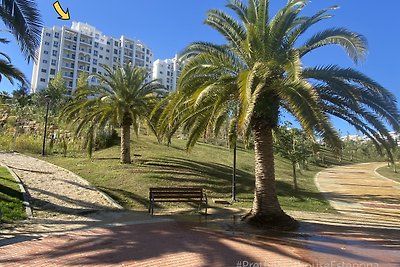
[(23, 19), (122, 99), (260, 67), (10, 72)]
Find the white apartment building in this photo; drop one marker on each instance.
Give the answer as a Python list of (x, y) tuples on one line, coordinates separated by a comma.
[(82, 48), (167, 72)]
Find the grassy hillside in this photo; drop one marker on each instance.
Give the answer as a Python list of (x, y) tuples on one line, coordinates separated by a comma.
[(389, 173), (11, 201), (207, 165)]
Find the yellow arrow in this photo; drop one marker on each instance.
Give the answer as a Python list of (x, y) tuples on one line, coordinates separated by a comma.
[(64, 15)]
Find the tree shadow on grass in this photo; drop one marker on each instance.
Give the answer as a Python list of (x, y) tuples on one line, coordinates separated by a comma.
[(10, 192), (213, 177), (125, 198)]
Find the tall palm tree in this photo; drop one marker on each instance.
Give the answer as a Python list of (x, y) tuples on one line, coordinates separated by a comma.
[(260, 66), (122, 99), (22, 18), (10, 72)]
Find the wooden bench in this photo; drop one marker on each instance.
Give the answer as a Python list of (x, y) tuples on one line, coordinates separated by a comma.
[(177, 194)]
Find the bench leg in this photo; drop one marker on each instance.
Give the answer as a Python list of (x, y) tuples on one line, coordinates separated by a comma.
[(151, 207)]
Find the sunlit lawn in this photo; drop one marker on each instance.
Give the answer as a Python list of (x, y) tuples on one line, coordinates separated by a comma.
[(206, 165), (389, 173), (11, 201)]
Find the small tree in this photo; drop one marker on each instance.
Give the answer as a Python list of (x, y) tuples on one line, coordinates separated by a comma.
[(291, 143)]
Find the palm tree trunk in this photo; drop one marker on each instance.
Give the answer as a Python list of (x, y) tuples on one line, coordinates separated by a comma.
[(126, 143), (266, 211)]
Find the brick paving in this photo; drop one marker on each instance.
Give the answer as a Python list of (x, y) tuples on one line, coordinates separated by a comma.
[(159, 244)]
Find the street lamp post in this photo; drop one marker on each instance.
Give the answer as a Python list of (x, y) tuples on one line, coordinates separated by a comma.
[(234, 174), (45, 125)]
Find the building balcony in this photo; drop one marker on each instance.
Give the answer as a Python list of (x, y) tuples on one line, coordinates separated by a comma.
[(85, 42), (68, 76), (68, 67), (81, 59), (69, 57), (70, 48), (69, 39)]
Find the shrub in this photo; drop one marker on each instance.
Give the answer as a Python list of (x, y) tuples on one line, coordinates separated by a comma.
[(28, 143), (6, 142), (106, 139)]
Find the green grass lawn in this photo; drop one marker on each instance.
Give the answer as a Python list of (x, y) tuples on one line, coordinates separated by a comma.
[(11, 200), (206, 165), (389, 173)]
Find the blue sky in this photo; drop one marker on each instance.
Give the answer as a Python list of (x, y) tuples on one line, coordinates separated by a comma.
[(168, 26)]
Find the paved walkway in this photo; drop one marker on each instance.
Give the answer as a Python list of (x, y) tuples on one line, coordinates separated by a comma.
[(359, 191), (55, 189), (350, 238)]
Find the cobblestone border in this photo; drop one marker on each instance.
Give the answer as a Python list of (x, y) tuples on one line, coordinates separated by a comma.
[(25, 194)]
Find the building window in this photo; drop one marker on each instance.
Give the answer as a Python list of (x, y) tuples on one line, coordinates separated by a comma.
[(43, 80), (55, 53), (46, 43), (56, 34), (101, 48), (95, 52), (45, 61), (55, 44), (116, 43), (46, 52), (96, 44), (116, 51), (48, 34), (44, 71), (52, 71), (95, 61), (53, 62), (100, 56), (107, 58), (94, 70), (70, 83)]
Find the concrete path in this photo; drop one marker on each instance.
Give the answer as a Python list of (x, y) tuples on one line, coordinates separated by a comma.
[(361, 192)]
